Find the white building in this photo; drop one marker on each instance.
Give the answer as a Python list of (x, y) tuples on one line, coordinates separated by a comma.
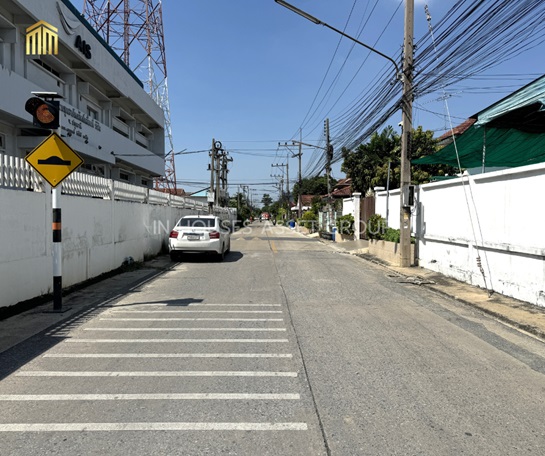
[(107, 117)]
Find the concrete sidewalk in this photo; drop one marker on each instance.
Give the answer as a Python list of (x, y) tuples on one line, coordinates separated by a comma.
[(78, 304), (519, 314)]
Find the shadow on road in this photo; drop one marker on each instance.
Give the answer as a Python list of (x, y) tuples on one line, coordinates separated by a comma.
[(169, 302), (231, 257)]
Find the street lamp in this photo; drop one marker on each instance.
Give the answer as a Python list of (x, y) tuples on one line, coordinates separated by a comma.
[(406, 79), (319, 22)]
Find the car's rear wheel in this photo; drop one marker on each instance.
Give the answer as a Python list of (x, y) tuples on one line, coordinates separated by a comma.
[(221, 256), (174, 255)]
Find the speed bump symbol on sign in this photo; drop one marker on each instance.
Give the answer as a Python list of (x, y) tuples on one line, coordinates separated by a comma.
[(54, 159)]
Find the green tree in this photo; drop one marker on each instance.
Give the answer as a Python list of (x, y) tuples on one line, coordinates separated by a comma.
[(316, 205), (312, 186), (424, 144), (243, 209), (368, 164), (275, 208), (267, 202), (362, 164)]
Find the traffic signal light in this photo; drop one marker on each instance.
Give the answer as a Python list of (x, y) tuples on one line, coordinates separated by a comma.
[(45, 113)]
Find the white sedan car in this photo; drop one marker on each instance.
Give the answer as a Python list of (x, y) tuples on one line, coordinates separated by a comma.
[(196, 233)]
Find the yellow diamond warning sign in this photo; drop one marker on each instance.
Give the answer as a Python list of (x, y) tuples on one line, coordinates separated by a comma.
[(54, 160)]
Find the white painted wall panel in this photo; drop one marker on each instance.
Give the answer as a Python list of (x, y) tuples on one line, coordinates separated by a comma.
[(498, 216), (348, 206), (97, 235)]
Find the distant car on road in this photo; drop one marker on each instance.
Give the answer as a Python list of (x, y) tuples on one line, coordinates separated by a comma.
[(206, 234)]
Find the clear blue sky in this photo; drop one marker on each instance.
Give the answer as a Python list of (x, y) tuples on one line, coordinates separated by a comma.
[(246, 72)]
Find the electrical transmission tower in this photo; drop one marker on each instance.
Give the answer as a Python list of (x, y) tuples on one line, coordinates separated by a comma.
[(134, 29)]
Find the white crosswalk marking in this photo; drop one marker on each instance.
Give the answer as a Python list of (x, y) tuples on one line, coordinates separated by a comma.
[(80, 427), (157, 374), (198, 311), (168, 355), (228, 374), (192, 319), (138, 397), (177, 341), (187, 329), (201, 304)]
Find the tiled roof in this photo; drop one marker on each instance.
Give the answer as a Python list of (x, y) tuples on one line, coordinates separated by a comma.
[(456, 131), (343, 192), (178, 192), (306, 200), (344, 182)]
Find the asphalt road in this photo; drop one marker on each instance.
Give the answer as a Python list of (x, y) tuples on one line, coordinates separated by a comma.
[(288, 347)]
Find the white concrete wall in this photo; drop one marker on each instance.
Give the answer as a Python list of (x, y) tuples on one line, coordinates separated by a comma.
[(97, 235), (389, 203), (349, 206), (497, 216)]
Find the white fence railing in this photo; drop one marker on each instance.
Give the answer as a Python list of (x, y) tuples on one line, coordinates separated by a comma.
[(128, 192), (155, 197), (17, 174), (81, 184)]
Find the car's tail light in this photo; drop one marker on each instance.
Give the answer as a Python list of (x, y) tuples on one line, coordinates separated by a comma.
[(174, 234), (214, 235)]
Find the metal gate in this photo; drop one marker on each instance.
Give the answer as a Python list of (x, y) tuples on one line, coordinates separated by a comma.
[(367, 209)]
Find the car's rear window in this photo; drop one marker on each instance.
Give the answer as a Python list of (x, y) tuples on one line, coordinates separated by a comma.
[(197, 222)]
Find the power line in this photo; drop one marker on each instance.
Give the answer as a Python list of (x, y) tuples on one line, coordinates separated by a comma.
[(472, 38)]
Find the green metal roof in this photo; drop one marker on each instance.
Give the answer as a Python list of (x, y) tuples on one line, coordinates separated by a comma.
[(505, 147), (509, 133)]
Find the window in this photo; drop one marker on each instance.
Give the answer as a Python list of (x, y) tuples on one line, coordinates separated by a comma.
[(124, 176), (92, 113), (98, 170)]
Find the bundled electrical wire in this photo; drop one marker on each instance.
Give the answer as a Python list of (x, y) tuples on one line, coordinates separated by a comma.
[(472, 37)]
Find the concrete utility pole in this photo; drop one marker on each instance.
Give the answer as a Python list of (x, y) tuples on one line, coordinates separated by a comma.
[(407, 106), (212, 170), (282, 165), (329, 158), (328, 150), (219, 160), (245, 190), (281, 189), (224, 171), (300, 179), (288, 184), (217, 168), (405, 206)]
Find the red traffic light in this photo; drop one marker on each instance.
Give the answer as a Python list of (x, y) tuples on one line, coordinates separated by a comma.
[(45, 113)]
